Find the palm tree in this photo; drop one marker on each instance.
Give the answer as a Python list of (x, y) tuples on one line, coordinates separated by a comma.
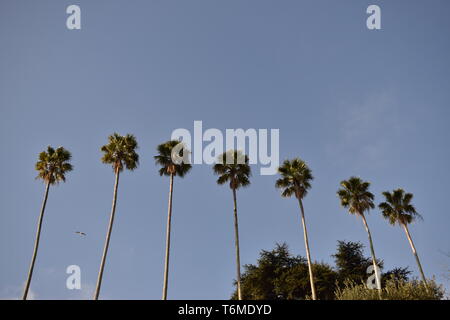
[(52, 167), (170, 166), (296, 180), (120, 152), (398, 209), (355, 196), (232, 166)]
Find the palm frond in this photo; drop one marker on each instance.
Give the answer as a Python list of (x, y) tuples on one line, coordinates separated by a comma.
[(397, 207), (354, 195), (232, 166), (169, 160), (295, 179), (53, 164), (120, 152)]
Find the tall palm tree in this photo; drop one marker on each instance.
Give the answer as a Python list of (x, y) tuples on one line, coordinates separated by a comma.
[(232, 166), (52, 167), (296, 180), (120, 152), (171, 166), (355, 196), (398, 209)]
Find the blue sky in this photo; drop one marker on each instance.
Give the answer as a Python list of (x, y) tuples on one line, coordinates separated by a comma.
[(347, 100)]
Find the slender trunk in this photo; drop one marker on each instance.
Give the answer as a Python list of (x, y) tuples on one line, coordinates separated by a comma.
[(36, 243), (308, 255), (374, 259), (413, 247), (108, 236), (236, 242), (169, 219)]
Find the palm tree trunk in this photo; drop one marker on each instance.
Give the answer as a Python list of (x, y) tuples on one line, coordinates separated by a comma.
[(36, 242), (308, 255), (169, 222), (108, 236), (413, 247), (236, 242), (374, 259)]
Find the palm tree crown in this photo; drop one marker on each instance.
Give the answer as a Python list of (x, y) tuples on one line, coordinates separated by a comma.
[(355, 195), (232, 166), (120, 152), (169, 155), (53, 165), (295, 178), (166, 161), (398, 208)]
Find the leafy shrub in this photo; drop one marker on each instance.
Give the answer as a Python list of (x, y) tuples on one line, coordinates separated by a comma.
[(393, 290)]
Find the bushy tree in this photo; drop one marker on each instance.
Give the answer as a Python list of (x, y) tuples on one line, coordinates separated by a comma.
[(278, 275), (351, 264)]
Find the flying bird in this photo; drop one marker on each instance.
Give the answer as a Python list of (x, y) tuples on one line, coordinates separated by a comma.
[(80, 233)]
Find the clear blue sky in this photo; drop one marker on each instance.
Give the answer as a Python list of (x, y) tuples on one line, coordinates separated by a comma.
[(347, 100)]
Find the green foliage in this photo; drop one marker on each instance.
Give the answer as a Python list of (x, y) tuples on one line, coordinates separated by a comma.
[(351, 265), (355, 195), (396, 274), (232, 166), (294, 284), (350, 261), (392, 290), (295, 178), (280, 276), (398, 208), (53, 165), (120, 152), (165, 160)]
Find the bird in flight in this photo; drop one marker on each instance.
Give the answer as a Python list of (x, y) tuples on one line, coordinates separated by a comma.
[(80, 233)]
